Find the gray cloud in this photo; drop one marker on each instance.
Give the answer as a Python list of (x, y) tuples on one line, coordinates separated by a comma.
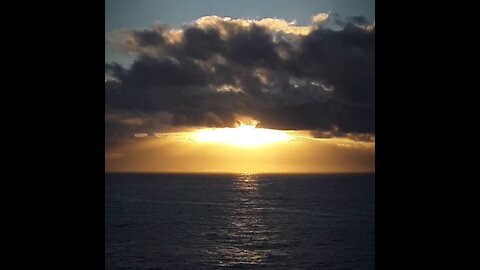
[(208, 72)]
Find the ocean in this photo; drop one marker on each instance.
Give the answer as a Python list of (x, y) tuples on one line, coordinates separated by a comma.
[(239, 221)]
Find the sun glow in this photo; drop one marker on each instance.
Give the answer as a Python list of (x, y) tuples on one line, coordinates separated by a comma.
[(244, 135)]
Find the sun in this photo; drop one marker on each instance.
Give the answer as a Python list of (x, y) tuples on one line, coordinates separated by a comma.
[(244, 135)]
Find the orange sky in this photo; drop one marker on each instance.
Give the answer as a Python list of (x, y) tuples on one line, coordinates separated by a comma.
[(181, 152)]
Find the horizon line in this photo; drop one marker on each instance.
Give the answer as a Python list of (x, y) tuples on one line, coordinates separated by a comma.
[(213, 172)]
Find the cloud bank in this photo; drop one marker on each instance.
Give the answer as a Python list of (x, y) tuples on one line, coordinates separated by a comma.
[(319, 77)]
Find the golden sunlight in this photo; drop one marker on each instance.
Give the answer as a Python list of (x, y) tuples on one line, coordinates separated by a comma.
[(244, 135)]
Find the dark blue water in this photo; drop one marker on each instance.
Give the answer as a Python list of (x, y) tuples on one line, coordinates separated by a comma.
[(239, 221)]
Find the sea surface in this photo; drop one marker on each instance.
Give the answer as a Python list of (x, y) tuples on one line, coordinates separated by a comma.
[(239, 221)]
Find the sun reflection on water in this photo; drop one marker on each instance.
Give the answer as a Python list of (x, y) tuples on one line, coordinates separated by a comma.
[(246, 182), (248, 233)]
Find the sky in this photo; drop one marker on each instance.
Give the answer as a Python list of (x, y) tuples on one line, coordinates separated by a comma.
[(208, 86), (141, 13)]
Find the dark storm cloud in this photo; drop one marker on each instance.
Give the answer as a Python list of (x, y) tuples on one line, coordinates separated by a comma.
[(335, 133), (252, 47), (200, 44), (148, 38), (283, 75)]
